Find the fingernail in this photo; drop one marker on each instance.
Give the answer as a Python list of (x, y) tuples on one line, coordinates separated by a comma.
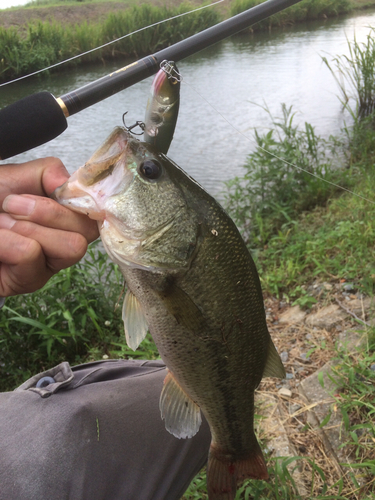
[(6, 221), (18, 205)]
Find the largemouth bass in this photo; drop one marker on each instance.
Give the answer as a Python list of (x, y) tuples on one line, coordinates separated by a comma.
[(191, 282)]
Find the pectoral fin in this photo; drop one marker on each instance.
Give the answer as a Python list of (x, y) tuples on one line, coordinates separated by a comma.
[(135, 323), (274, 366), (182, 416)]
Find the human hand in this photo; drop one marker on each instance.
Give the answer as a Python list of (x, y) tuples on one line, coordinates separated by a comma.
[(38, 237)]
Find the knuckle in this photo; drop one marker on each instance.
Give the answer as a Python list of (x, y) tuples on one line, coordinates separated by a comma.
[(30, 250), (78, 245), (55, 162)]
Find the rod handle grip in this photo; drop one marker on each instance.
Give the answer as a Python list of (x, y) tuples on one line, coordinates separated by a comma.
[(30, 122)]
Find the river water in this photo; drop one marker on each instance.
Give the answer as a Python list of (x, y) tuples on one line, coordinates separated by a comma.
[(222, 92)]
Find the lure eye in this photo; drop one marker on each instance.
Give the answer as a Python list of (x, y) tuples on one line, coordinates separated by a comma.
[(150, 169)]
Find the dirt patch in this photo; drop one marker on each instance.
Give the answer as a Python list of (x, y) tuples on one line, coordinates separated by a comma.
[(294, 409), (72, 14)]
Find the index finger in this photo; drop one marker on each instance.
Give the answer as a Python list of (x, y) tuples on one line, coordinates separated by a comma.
[(48, 213)]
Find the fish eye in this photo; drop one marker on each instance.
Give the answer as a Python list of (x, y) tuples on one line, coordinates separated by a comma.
[(150, 169)]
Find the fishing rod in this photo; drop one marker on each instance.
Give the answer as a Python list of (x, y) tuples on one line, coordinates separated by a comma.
[(40, 117)]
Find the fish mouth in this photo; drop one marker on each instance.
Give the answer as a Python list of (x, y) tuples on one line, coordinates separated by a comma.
[(72, 196), (103, 176)]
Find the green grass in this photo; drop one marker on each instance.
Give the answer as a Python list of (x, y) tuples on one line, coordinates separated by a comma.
[(76, 317), (58, 3), (354, 75), (328, 244), (46, 43), (291, 170)]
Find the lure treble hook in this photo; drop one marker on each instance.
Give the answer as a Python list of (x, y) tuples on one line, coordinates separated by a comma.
[(130, 128)]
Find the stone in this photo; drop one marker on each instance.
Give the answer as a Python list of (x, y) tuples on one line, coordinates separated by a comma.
[(325, 405), (294, 408), (284, 356), (284, 392), (272, 425), (349, 340), (360, 306), (326, 318), (292, 315), (349, 287)]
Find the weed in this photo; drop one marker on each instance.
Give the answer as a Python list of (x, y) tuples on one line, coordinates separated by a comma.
[(44, 43), (74, 313), (357, 71), (291, 170)]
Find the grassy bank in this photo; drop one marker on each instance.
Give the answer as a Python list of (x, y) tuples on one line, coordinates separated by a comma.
[(35, 45), (45, 43), (293, 206)]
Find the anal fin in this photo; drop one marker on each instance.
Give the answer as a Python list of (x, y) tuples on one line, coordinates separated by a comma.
[(135, 323), (274, 366), (182, 416)]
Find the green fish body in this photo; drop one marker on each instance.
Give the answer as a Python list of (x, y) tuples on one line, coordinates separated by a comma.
[(192, 282)]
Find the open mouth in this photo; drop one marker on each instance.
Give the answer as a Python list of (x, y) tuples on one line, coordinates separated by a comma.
[(103, 176)]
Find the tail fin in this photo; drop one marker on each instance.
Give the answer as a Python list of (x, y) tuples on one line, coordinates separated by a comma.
[(223, 473)]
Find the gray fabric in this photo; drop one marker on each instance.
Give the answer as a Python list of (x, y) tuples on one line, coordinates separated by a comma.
[(62, 375), (98, 436)]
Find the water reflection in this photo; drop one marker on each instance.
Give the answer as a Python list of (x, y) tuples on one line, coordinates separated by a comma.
[(224, 83)]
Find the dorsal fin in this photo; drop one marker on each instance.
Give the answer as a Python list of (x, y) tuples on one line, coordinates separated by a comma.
[(274, 366), (135, 323), (182, 416)]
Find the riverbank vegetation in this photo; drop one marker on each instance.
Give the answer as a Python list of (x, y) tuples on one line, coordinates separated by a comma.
[(292, 170), (47, 43), (35, 45)]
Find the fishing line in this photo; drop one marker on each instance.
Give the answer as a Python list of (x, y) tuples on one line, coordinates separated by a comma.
[(273, 154), (110, 43)]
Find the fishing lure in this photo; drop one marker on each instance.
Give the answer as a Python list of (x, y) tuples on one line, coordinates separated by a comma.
[(162, 107)]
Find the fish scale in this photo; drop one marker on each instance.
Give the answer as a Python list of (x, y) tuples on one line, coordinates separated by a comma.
[(193, 283)]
